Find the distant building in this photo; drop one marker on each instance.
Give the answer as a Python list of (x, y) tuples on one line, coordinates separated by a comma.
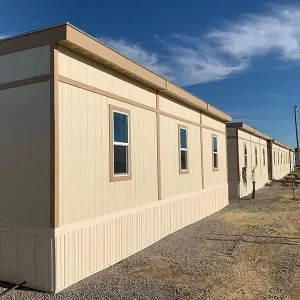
[(249, 148)]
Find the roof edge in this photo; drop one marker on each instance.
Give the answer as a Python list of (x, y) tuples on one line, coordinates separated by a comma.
[(248, 129), (87, 45)]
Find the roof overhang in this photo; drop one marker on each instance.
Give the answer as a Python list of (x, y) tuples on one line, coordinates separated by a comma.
[(281, 145), (79, 41), (248, 129)]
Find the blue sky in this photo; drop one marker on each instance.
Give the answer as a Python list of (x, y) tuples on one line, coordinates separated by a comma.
[(241, 56)]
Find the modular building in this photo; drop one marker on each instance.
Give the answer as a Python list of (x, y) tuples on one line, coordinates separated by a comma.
[(100, 157), (283, 158), (249, 149)]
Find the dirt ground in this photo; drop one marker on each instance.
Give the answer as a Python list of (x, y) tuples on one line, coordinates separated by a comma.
[(249, 250)]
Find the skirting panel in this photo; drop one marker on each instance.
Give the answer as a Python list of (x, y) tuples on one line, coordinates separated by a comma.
[(85, 248), (51, 260), (280, 174), (27, 254)]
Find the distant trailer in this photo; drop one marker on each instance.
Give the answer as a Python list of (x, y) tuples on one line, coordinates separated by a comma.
[(249, 149), (100, 157)]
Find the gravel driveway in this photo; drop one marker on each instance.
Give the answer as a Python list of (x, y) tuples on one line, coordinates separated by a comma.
[(249, 250)]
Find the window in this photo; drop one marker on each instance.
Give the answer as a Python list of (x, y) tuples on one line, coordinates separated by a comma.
[(215, 152), (183, 149), (264, 157), (120, 143), (255, 153), (245, 155), (281, 158), (274, 158), (278, 158)]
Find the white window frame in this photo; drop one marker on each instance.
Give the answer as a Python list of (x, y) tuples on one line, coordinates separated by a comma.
[(119, 176), (183, 171), (256, 156), (245, 155), (215, 152)]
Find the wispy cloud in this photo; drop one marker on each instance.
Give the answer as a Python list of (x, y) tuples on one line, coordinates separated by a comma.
[(261, 121), (278, 96), (221, 52), (3, 36), (153, 61)]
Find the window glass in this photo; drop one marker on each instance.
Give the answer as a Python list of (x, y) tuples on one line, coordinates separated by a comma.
[(245, 155), (183, 149), (183, 160), (120, 159), (215, 152), (183, 139), (121, 143), (120, 127), (256, 160), (264, 157)]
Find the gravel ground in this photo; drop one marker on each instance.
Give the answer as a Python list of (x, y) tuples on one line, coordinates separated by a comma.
[(249, 250)]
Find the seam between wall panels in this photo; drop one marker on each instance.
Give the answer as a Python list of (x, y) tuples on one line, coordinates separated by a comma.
[(91, 222), (158, 148), (27, 81), (201, 148), (54, 138)]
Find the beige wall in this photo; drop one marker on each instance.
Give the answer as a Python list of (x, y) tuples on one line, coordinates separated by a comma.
[(237, 188), (282, 168), (84, 139), (261, 171), (85, 188), (27, 253), (173, 183), (79, 68), (126, 216), (168, 105), (25, 64), (214, 178), (85, 248), (25, 155)]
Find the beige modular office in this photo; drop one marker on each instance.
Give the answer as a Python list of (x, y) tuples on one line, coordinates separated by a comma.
[(101, 157), (250, 149), (282, 159)]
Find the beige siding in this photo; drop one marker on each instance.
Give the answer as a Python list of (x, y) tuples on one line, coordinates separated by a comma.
[(212, 123), (86, 248), (25, 64), (214, 178), (79, 68), (244, 135), (25, 155), (261, 170), (27, 254), (85, 188), (173, 183), (282, 168), (166, 104)]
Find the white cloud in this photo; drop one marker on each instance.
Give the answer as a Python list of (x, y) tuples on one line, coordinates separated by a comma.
[(261, 121), (151, 61), (3, 36), (259, 34), (220, 53)]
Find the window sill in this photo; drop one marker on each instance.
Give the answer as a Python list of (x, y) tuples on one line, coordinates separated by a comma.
[(114, 178), (181, 172), (215, 169)]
